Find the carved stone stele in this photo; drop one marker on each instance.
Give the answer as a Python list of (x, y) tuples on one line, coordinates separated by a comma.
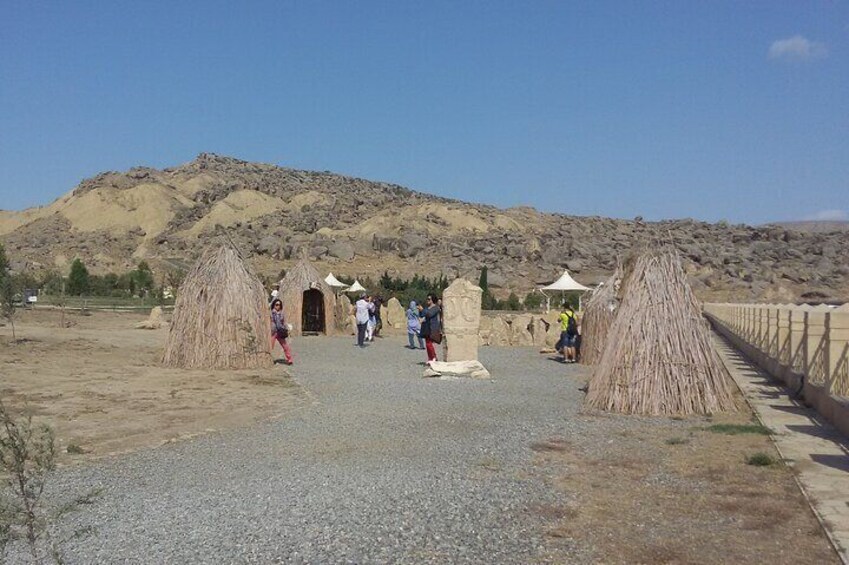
[(461, 316)]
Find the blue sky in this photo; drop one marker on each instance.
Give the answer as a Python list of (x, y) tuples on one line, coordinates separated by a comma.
[(711, 110)]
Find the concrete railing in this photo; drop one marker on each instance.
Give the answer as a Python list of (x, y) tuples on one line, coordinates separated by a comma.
[(807, 347)]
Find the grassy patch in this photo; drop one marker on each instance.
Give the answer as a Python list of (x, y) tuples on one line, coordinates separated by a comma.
[(75, 449), (677, 441), (760, 459), (490, 464), (737, 429)]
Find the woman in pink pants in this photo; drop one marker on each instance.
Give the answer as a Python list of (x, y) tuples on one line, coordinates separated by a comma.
[(279, 329)]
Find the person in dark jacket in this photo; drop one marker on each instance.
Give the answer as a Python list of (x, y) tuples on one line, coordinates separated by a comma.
[(431, 326), (279, 329)]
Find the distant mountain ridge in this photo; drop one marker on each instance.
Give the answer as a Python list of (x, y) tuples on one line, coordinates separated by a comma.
[(814, 226), (359, 227)]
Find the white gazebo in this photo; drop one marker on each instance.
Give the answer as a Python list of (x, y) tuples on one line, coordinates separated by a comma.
[(356, 287), (334, 282), (564, 284)]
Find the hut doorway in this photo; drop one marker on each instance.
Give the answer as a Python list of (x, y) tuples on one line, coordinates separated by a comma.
[(313, 312)]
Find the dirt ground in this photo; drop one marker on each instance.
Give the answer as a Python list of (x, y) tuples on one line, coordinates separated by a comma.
[(98, 383), (674, 491)]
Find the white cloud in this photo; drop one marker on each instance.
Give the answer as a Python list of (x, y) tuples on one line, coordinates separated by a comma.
[(797, 48), (829, 216)]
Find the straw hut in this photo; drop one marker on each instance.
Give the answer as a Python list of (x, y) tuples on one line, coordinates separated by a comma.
[(309, 303), (221, 317), (597, 317), (662, 360)]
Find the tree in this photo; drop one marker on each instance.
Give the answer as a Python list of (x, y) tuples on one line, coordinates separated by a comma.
[(482, 282), (27, 461), (7, 302), (78, 279), (143, 278), (52, 283), (488, 301), (4, 264), (533, 300), (7, 292), (512, 302)]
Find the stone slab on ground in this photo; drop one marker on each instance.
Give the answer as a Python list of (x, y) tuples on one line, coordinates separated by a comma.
[(817, 452), (469, 369)]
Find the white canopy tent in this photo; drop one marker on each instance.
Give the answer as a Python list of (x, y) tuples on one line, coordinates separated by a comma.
[(564, 284), (334, 282), (356, 287)]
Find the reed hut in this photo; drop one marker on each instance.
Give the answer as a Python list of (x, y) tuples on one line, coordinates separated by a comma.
[(309, 303), (597, 317), (221, 317), (662, 360)]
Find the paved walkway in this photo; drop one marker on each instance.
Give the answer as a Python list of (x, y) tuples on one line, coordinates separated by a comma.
[(818, 453)]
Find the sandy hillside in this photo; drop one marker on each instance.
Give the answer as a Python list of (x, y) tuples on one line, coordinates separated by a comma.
[(359, 228)]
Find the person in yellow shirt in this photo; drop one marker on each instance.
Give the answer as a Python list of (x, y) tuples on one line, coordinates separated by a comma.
[(568, 334)]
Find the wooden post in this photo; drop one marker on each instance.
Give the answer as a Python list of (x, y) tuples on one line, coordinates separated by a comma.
[(838, 352), (817, 354)]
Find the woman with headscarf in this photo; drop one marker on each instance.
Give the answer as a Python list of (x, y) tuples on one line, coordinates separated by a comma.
[(279, 329), (414, 325)]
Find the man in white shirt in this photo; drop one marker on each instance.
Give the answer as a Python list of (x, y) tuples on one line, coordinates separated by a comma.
[(362, 311)]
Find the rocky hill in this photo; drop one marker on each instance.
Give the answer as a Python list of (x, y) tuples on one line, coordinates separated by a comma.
[(815, 226), (358, 227)]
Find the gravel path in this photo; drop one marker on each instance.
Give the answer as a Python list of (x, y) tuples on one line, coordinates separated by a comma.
[(381, 467)]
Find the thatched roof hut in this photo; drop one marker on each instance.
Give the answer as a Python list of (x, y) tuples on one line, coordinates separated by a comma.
[(309, 303), (662, 360), (598, 315), (221, 318)]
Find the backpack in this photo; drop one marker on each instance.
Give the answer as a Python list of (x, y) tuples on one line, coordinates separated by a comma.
[(572, 326)]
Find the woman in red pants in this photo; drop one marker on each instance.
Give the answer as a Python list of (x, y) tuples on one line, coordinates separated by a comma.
[(431, 326), (279, 329)]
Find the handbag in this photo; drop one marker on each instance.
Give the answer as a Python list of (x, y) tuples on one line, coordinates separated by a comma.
[(436, 337), (283, 333)]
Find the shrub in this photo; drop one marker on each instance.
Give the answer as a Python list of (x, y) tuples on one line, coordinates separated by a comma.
[(760, 459)]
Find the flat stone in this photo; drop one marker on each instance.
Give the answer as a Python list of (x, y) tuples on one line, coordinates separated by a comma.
[(468, 369)]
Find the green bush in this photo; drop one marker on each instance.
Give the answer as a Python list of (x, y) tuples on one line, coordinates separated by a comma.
[(760, 459)]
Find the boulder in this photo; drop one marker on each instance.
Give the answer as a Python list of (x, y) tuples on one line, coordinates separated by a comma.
[(411, 245), (268, 246), (317, 251), (341, 250), (499, 333), (496, 280), (540, 331), (520, 334), (383, 243), (553, 334), (343, 311), (395, 314), (485, 330)]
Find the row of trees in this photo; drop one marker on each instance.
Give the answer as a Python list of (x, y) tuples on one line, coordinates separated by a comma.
[(532, 301), (138, 282), (79, 282), (418, 287)]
